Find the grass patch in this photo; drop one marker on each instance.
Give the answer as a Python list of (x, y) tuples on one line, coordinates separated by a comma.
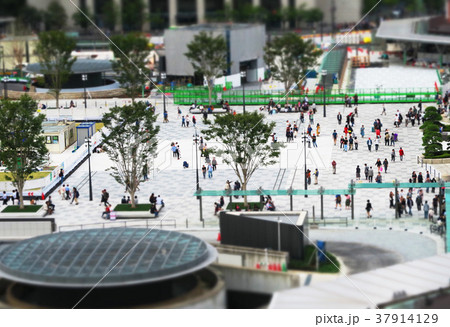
[(309, 264), (252, 206), (16, 209), (127, 207), (37, 175)]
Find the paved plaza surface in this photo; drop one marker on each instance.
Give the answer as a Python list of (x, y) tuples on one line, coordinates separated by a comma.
[(177, 185)]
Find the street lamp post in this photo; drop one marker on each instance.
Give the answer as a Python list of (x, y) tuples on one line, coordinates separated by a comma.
[(84, 78), (324, 74), (163, 79), (5, 85), (196, 171), (2, 54), (88, 141), (243, 75), (305, 137)]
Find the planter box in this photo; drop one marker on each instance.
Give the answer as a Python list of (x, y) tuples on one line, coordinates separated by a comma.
[(135, 214), (38, 214)]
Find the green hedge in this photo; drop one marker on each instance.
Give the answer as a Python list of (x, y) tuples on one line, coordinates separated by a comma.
[(252, 205), (12, 209), (127, 207)]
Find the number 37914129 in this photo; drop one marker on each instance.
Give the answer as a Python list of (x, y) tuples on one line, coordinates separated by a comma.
[(407, 318)]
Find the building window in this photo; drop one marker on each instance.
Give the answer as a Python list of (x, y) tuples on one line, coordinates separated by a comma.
[(48, 139), (55, 140)]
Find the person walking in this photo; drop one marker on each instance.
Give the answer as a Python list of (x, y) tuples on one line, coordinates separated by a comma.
[(214, 163), (204, 171), (369, 208), (393, 155), (316, 177), (378, 164), (370, 174), (419, 201), (362, 131), (369, 144), (385, 165), (62, 191), (377, 144), (68, 195), (339, 118), (426, 209), (183, 121), (338, 201), (166, 116), (75, 196), (409, 204), (187, 120), (366, 171), (358, 173), (333, 165), (61, 175), (334, 135), (210, 171), (401, 153)]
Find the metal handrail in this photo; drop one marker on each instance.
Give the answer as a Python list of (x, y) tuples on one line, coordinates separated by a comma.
[(124, 223)]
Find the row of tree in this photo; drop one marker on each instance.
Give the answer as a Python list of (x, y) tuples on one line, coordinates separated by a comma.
[(132, 15), (288, 58)]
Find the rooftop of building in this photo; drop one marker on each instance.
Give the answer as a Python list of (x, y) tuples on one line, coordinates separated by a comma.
[(54, 126), (104, 257), (215, 27), (80, 66), (410, 30)]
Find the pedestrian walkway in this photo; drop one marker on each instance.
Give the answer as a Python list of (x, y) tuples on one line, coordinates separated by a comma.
[(177, 185)]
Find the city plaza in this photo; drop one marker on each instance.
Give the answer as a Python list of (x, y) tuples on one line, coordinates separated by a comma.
[(177, 185)]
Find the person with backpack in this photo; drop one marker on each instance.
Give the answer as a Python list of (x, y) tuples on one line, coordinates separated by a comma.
[(75, 195), (369, 208)]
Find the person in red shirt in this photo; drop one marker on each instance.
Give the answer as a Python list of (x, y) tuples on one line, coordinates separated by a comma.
[(107, 212), (401, 154)]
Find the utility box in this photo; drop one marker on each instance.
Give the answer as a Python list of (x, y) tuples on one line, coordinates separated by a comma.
[(84, 130)]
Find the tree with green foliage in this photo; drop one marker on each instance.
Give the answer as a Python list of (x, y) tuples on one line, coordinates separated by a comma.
[(31, 18), (54, 51), (22, 145), (432, 138), (110, 14), (289, 57), (133, 16), (130, 62), (12, 7), (432, 115), (80, 18), (208, 56), (245, 143), (130, 142), (55, 18)]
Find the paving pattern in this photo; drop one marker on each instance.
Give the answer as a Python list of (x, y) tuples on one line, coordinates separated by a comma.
[(177, 185)]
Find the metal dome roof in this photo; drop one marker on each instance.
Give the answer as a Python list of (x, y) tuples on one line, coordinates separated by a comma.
[(107, 257), (80, 66)]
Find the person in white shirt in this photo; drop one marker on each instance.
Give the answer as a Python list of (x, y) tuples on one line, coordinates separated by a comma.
[(159, 201)]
